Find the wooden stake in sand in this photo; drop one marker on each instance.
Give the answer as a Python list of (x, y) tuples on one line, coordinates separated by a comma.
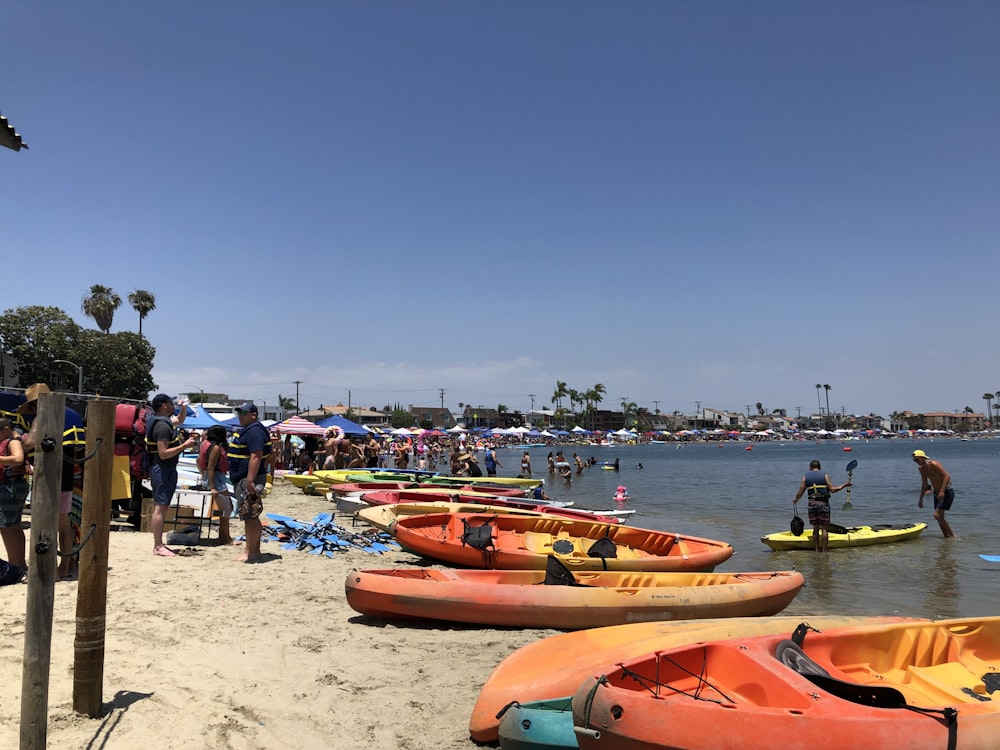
[(48, 432), (92, 594)]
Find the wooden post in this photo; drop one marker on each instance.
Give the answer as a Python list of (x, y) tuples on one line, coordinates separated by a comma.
[(44, 562), (92, 594)]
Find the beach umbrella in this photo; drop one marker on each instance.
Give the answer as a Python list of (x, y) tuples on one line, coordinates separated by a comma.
[(298, 426)]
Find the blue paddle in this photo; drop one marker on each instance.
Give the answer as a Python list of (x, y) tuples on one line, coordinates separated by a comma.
[(850, 472)]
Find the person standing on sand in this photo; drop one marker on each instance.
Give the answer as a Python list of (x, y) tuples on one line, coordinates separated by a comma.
[(248, 452), (13, 493), (817, 483), (935, 478), (163, 443), (212, 460)]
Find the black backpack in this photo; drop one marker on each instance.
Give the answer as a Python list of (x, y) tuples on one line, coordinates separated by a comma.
[(9, 574)]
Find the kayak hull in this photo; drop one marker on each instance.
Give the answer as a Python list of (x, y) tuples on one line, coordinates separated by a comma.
[(842, 688), (526, 543), (855, 536), (520, 598), (556, 666)]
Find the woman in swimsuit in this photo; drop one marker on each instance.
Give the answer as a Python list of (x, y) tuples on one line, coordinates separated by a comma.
[(526, 465)]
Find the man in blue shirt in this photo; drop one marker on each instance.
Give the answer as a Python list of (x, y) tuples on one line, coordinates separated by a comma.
[(248, 452)]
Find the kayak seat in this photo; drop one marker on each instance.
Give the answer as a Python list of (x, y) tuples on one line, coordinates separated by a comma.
[(557, 574), (791, 654)]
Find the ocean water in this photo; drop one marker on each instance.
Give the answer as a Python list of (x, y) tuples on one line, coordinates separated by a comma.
[(739, 495)]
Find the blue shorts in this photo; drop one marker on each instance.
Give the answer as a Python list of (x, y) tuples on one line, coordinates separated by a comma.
[(164, 481), (220, 481), (949, 498), (12, 497)]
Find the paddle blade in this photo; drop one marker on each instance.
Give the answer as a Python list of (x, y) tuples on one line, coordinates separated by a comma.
[(852, 466), (847, 505)]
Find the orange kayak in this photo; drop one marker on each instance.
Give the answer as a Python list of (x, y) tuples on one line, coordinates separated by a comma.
[(518, 598), (476, 540), (556, 666), (905, 686)]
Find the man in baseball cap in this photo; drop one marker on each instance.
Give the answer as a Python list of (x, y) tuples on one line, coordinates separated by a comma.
[(936, 479)]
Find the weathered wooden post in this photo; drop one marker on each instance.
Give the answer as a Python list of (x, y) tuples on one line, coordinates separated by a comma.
[(44, 562), (92, 594)]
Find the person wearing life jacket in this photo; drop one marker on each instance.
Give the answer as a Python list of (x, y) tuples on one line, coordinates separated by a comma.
[(491, 461), (249, 450), (74, 445), (817, 486), (13, 492), (214, 464)]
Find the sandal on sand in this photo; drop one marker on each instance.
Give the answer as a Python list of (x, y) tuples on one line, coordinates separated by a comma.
[(189, 552)]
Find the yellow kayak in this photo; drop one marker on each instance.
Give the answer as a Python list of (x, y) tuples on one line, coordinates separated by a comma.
[(849, 536)]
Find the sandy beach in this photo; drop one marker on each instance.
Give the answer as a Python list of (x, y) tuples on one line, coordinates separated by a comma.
[(205, 652)]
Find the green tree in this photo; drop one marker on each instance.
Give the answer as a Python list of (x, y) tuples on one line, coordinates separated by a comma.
[(400, 418), (592, 397), (629, 412), (286, 403), (142, 302), (988, 398), (760, 409), (36, 335), (117, 364), (559, 393), (827, 389), (100, 305)]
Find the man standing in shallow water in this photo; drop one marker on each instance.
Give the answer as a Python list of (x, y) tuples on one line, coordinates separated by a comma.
[(935, 478)]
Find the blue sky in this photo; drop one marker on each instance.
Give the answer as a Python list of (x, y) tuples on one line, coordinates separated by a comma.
[(689, 202)]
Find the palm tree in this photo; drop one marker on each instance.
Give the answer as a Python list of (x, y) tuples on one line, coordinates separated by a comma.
[(142, 302), (559, 393), (827, 389), (100, 305), (629, 412), (760, 409), (575, 397), (286, 403), (819, 404), (988, 398), (593, 397)]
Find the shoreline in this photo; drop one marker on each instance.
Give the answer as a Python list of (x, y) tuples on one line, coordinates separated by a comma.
[(204, 651)]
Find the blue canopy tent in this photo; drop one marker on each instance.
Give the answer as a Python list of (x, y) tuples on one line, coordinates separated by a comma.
[(199, 419), (349, 427)]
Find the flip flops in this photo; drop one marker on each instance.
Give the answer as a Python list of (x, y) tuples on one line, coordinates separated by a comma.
[(189, 552)]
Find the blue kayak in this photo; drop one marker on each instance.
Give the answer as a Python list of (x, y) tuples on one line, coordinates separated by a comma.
[(538, 725)]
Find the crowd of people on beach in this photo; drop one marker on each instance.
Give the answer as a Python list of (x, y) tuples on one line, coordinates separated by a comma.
[(245, 458)]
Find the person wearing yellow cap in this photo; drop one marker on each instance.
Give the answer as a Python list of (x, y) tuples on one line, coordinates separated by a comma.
[(934, 477)]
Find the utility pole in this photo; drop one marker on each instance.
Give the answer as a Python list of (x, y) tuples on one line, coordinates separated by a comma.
[(441, 394), (297, 384), (798, 412), (656, 410), (532, 397)]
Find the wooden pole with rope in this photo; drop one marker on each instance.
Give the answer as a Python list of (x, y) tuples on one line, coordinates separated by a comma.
[(48, 434), (92, 593)]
